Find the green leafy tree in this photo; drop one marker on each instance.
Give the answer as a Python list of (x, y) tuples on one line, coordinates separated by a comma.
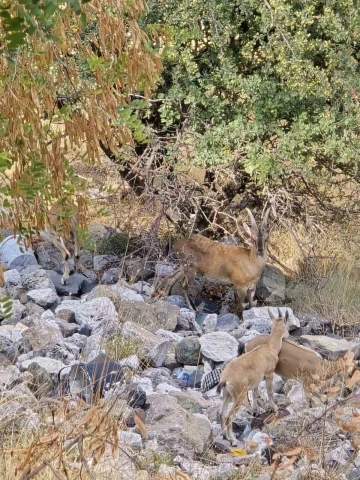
[(269, 87)]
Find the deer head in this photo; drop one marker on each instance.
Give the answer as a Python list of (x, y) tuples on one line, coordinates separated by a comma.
[(258, 237)]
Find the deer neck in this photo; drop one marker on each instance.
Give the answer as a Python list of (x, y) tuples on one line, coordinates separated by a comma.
[(276, 338)]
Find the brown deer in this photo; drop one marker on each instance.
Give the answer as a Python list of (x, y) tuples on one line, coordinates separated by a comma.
[(57, 228), (228, 264), (246, 372)]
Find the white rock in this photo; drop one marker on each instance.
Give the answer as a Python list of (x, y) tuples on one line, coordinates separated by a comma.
[(12, 277), (47, 315), (331, 348), (50, 365), (165, 388), (131, 361), (249, 335), (45, 297), (132, 439), (72, 305), (258, 318), (144, 383), (219, 346), (126, 293), (97, 310)]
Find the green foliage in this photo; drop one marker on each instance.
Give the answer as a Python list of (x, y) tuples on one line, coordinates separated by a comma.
[(6, 306), (271, 86)]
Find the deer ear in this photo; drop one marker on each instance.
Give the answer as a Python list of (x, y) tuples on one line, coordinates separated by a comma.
[(271, 315)]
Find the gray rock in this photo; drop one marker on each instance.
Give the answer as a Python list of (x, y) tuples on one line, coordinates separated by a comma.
[(67, 304), (12, 340), (176, 300), (176, 429), (49, 337), (15, 418), (111, 276), (49, 365), (219, 346), (74, 285), (249, 335), (314, 324), (18, 311), (227, 322), (104, 262), (12, 277), (32, 308), (271, 286), (105, 291), (150, 316), (354, 474), (45, 297), (153, 348), (163, 269), (187, 351), (78, 340), (210, 322), (9, 376), (33, 279), (339, 456), (258, 318), (67, 329), (66, 315), (131, 361), (86, 258), (239, 332), (95, 311), (136, 268), (126, 293), (171, 336), (48, 256), (122, 467), (331, 348)]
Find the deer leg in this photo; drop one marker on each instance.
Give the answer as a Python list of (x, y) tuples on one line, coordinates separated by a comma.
[(250, 293), (256, 398), (224, 407), (77, 251), (189, 274), (270, 392), (233, 411), (59, 243)]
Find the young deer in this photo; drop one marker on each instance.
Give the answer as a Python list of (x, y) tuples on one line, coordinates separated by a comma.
[(246, 372), (55, 232), (225, 263)]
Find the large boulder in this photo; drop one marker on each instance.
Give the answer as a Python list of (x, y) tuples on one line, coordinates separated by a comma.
[(41, 334), (176, 429), (271, 286), (33, 278), (219, 346), (258, 318), (152, 348), (331, 348)]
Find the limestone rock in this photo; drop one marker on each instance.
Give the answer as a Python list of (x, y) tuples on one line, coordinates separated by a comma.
[(219, 346)]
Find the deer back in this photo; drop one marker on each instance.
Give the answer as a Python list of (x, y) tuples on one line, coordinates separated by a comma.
[(294, 360), (227, 263)]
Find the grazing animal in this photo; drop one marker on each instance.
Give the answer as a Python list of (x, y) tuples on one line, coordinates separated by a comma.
[(295, 361), (225, 263), (55, 231), (246, 372)]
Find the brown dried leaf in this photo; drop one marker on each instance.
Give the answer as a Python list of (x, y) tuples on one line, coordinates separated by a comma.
[(48, 438), (251, 444), (353, 380), (141, 426), (293, 452)]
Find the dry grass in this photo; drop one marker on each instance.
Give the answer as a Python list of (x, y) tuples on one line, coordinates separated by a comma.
[(119, 347)]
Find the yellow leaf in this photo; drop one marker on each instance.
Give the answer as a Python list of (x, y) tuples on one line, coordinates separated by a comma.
[(238, 452)]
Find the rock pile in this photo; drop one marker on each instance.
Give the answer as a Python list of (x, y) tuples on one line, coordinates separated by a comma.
[(168, 349)]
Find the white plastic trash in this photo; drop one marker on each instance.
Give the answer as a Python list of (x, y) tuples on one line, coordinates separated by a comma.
[(14, 254)]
